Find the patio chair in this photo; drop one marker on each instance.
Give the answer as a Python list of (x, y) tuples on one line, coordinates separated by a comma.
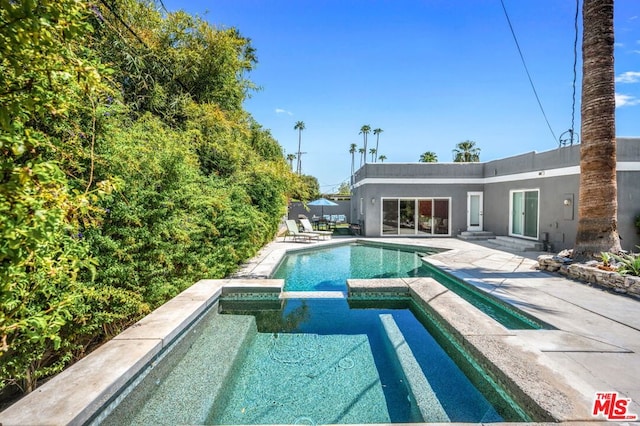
[(293, 231), (306, 226)]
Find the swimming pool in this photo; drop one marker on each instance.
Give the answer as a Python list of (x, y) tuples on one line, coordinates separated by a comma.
[(307, 361), (327, 269), (343, 365), (318, 361)]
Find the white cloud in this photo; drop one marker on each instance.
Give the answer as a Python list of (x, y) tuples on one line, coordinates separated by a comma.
[(283, 111), (628, 77), (626, 100)]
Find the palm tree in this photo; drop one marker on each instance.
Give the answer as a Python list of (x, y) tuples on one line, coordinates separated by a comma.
[(428, 157), (372, 151), (466, 152), (364, 131), (352, 150), (362, 155), (290, 158), (299, 127), (377, 133), (382, 158), (597, 202)]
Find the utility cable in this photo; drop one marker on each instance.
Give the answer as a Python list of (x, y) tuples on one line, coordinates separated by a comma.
[(569, 140), (575, 65), (163, 6), (122, 21), (527, 70)]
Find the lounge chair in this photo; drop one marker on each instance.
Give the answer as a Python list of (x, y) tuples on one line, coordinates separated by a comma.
[(293, 231), (306, 226)]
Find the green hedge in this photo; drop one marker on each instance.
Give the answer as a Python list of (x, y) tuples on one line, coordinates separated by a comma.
[(129, 172)]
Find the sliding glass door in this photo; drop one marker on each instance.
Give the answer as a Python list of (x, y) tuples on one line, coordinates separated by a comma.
[(390, 217), (415, 216), (425, 215), (407, 217), (524, 213)]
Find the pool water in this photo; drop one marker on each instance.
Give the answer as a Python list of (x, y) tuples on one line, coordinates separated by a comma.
[(328, 270), (317, 361), (321, 361)]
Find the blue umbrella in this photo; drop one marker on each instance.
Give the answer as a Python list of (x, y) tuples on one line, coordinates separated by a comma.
[(322, 202)]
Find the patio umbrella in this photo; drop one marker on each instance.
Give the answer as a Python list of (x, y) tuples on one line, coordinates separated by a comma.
[(322, 202)]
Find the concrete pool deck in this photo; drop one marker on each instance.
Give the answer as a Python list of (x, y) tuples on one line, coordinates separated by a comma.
[(595, 346)]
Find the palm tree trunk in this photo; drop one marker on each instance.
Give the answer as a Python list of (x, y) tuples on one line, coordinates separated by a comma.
[(597, 205), (299, 163), (352, 163), (377, 143), (365, 147)]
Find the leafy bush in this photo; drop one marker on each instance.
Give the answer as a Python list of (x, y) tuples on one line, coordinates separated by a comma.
[(628, 263), (46, 77), (120, 188), (606, 258)]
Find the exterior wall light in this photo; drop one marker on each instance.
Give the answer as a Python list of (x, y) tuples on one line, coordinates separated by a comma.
[(567, 211), (373, 201)]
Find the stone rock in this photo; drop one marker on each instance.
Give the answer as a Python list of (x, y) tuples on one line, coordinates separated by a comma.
[(566, 253)]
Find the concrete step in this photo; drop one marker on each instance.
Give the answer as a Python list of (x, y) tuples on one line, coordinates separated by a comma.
[(423, 395), (516, 244), (476, 235)]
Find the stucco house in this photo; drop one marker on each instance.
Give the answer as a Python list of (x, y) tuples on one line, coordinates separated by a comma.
[(532, 196)]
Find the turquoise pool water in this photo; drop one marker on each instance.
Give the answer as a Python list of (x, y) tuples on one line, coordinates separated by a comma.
[(317, 361), (314, 361), (321, 361), (328, 269)]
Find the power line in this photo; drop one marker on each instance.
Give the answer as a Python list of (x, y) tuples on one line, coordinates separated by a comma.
[(535, 92), (563, 141), (113, 12), (122, 21), (575, 65), (163, 6)]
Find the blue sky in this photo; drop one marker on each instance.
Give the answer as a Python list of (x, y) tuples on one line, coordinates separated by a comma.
[(430, 73)]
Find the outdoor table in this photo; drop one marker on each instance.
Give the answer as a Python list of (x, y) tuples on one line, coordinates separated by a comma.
[(321, 225)]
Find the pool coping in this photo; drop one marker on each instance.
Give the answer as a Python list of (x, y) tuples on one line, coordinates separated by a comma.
[(75, 395)]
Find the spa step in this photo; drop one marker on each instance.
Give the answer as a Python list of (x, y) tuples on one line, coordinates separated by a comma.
[(419, 387)]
